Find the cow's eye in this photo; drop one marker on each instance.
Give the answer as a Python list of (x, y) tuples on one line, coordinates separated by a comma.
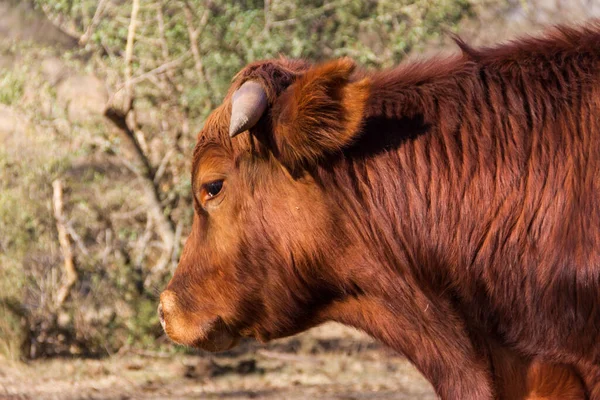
[(211, 189)]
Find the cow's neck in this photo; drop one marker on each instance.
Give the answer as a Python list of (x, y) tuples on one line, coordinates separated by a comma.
[(418, 187), (428, 333)]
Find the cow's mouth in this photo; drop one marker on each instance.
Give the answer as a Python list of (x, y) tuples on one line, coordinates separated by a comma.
[(215, 336), (201, 330), (210, 336)]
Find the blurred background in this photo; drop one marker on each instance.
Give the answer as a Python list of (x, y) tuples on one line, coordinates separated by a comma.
[(100, 103)]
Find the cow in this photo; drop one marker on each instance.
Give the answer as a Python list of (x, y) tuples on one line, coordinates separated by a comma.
[(448, 207)]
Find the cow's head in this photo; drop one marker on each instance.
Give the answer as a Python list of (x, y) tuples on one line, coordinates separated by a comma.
[(267, 239)]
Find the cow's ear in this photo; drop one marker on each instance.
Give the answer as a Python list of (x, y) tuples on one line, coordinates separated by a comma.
[(319, 114)]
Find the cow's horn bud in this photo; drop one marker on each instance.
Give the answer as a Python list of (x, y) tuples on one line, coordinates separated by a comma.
[(248, 104)]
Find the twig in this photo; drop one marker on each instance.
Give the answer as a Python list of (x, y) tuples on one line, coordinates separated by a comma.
[(119, 118), (168, 75), (95, 21), (129, 87), (194, 34), (143, 242), (156, 71), (309, 15), (158, 270), (139, 133), (77, 239), (164, 46), (162, 167), (135, 7), (129, 214), (107, 245), (130, 166), (176, 244), (65, 244)]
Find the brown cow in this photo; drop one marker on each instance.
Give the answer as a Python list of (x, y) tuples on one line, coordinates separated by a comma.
[(449, 208)]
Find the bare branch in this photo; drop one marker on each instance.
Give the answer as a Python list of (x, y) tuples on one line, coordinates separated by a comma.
[(128, 214), (163, 165), (135, 7), (95, 21), (143, 242), (107, 245), (160, 18), (176, 244), (194, 34), (156, 71), (125, 120), (120, 120), (77, 239), (146, 173), (157, 271), (71, 275)]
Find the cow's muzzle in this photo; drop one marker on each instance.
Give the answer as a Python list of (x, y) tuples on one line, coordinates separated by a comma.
[(201, 330)]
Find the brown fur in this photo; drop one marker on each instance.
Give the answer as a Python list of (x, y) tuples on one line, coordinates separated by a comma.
[(448, 208), (323, 105)]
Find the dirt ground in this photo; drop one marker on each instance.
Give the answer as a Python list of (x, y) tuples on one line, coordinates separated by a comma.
[(329, 362)]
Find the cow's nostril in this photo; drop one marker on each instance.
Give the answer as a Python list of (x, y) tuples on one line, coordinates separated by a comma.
[(161, 315)]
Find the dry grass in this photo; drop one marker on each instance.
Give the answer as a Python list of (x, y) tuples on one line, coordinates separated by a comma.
[(329, 362)]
